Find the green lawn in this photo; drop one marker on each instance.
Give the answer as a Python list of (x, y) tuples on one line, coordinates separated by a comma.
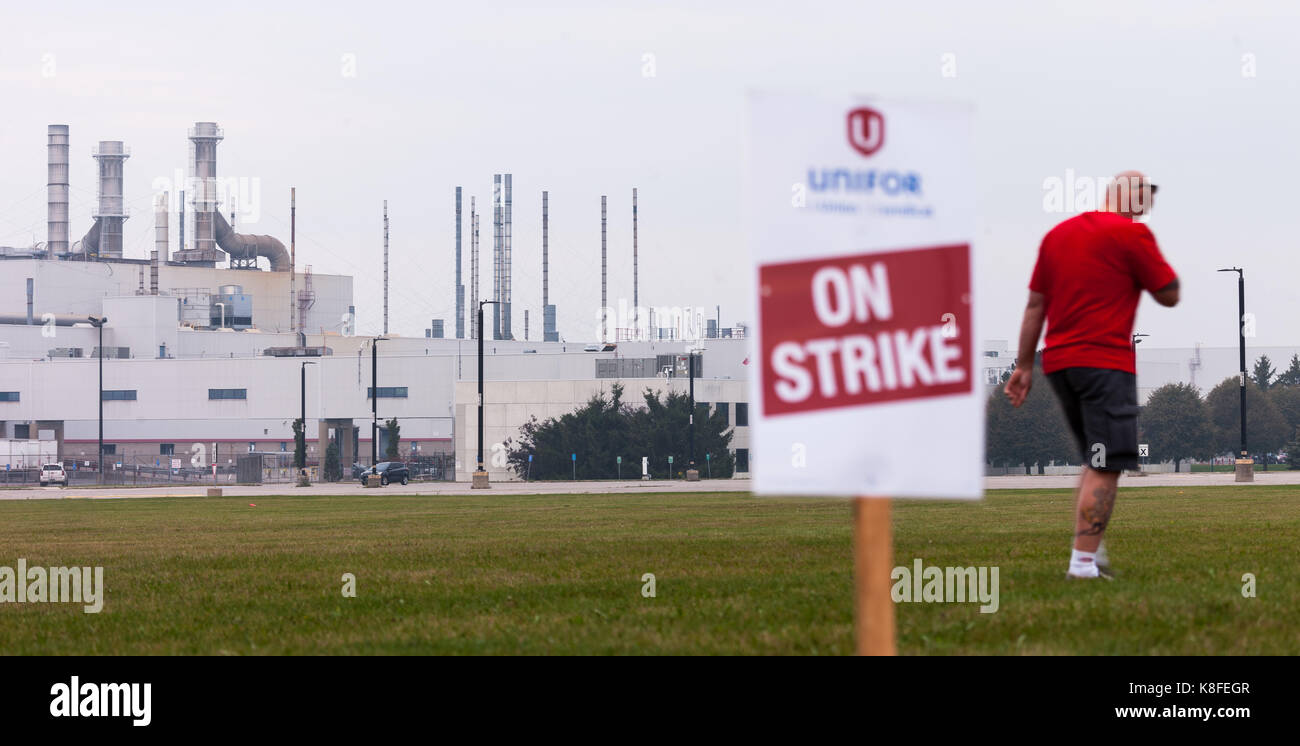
[(562, 574)]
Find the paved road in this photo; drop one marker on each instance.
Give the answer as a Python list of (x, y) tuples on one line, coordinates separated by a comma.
[(628, 487), (353, 488), (1198, 479)]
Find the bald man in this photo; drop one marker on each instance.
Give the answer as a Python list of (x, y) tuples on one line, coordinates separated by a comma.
[(1090, 274)]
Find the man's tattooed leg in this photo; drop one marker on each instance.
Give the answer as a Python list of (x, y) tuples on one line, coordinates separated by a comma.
[(1097, 514)]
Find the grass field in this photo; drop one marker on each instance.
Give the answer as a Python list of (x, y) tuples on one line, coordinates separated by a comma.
[(562, 574)]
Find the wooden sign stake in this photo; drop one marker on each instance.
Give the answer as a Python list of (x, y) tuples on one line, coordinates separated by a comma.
[(873, 561)]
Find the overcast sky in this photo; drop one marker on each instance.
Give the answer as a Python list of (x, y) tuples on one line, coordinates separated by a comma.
[(1201, 95)]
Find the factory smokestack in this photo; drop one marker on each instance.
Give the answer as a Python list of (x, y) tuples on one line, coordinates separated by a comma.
[(180, 243), (604, 302), (474, 331), (549, 334), (161, 236), (56, 239), (204, 137), (496, 255), (104, 239), (636, 298), (506, 272), (293, 262), (385, 267), (460, 287)]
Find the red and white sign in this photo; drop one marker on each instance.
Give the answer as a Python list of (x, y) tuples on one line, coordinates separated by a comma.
[(864, 377)]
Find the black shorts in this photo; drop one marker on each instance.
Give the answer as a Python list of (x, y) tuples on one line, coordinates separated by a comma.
[(1101, 407)]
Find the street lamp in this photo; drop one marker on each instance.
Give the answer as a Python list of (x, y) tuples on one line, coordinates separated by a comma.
[(480, 481), (1137, 338), (303, 466), (692, 474), (1245, 467), (98, 323), (374, 400)]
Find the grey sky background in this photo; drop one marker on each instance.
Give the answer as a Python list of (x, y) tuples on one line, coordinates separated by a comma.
[(447, 94)]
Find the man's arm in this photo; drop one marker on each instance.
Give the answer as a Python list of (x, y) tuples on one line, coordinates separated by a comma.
[(1167, 296), (1031, 328)]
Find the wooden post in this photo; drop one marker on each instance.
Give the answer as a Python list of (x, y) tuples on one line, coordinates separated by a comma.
[(873, 561)]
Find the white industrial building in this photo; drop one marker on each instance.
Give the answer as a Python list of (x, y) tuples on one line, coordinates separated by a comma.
[(172, 390), (205, 344)]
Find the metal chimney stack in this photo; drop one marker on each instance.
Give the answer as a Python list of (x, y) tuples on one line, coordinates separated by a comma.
[(180, 243), (604, 302), (161, 235), (474, 331), (460, 287), (204, 137), (506, 270), (385, 267), (111, 212), (636, 298), (295, 324), (549, 334), (496, 254), (56, 240)]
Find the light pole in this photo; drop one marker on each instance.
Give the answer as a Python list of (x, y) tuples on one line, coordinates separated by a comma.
[(480, 481), (98, 323), (374, 400), (692, 474), (302, 466), (1137, 338), (1245, 467)]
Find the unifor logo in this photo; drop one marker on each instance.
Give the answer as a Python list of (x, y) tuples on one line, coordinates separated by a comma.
[(866, 130)]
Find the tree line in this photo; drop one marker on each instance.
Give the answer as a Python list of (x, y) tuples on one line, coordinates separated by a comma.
[(606, 429), (1177, 422)]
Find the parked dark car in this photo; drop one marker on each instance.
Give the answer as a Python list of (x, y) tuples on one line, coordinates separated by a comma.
[(389, 471)]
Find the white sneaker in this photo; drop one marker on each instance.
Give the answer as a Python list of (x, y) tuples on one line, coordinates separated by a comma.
[(1083, 571)]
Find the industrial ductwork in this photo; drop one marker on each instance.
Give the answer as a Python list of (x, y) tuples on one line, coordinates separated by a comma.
[(249, 246)]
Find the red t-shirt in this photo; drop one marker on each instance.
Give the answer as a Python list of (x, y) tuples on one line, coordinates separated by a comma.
[(1092, 270)]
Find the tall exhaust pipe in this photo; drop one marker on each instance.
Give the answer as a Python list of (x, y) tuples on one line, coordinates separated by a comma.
[(549, 333), (180, 243), (293, 264), (104, 239), (496, 255), (474, 331), (460, 286), (546, 259), (385, 267), (204, 137), (506, 272), (604, 302), (636, 298), (56, 226), (161, 236)]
